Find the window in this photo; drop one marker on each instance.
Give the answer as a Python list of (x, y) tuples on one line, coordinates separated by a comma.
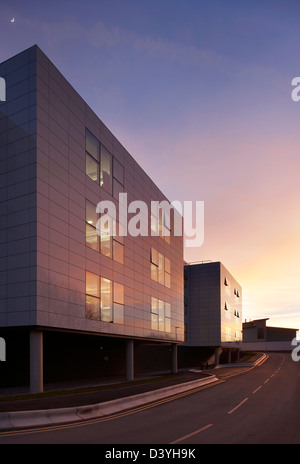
[(118, 250), (92, 168), (167, 273), (118, 299), (98, 298), (118, 179), (98, 164), (106, 237), (154, 264), (154, 313), (118, 243), (160, 315), (166, 229), (167, 317), (92, 145), (92, 296), (118, 171), (106, 300), (92, 240), (160, 268), (154, 220), (105, 170), (92, 156)]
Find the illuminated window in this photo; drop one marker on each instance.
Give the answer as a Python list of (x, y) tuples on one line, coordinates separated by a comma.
[(98, 298), (160, 315), (91, 222), (106, 300), (154, 264), (167, 317), (118, 243), (118, 299), (106, 236), (160, 268), (154, 313), (92, 306), (118, 250), (167, 273)]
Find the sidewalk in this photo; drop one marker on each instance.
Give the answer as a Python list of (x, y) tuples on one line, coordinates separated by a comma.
[(73, 405)]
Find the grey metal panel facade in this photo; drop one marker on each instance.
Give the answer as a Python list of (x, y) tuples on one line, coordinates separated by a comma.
[(54, 253), (18, 217), (212, 309)]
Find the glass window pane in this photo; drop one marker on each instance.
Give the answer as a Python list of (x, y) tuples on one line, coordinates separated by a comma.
[(167, 280), (154, 305), (154, 272), (118, 252), (118, 171), (91, 167), (167, 325), (161, 269), (154, 256), (118, 313), (91, 237), (167, 310), (106, 300), (154, 321), (106, 247), (117, 189), (161, 316), (91, 145), (167, 265), (118, 293), (154, 225), (119, 232), (92, 284), (105, 170), (90, 213), (92, 307), (104, 229)]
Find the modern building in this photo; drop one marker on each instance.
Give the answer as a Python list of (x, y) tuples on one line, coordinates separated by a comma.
[(213, 312), (258, 336), (77, 301)]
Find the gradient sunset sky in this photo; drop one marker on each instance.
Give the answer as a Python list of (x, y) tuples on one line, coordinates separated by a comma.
[(199, 92)]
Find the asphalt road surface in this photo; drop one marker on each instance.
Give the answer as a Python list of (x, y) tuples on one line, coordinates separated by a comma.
[(261, 406)]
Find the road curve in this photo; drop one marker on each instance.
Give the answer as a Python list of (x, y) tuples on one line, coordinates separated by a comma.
[(258, 406)]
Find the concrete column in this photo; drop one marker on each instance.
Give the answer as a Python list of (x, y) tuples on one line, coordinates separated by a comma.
[(217, 358), (174, 366), (229, 356), (36, 361), (129, 360)]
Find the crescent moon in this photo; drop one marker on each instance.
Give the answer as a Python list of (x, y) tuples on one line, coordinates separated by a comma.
[(12, 20)]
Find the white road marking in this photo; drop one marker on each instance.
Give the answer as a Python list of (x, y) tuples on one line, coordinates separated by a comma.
[(240, 404), (192, 434), (258, 388)]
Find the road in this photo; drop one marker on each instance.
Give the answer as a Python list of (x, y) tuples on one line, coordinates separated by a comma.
[(261, 406)]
